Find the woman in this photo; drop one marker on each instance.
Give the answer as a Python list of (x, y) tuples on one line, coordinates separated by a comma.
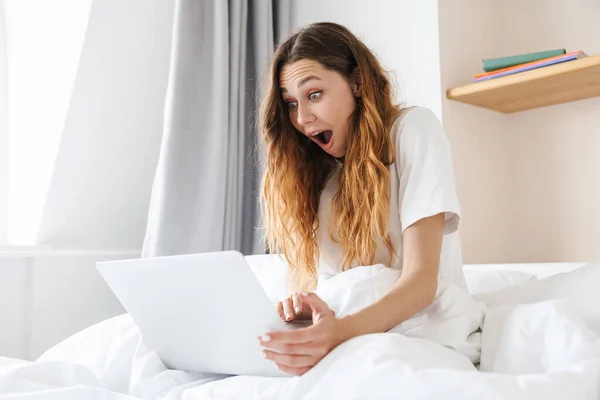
[(351, 180)]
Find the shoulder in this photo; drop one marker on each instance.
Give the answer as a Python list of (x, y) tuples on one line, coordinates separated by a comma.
[(419, 138), (415, 122)]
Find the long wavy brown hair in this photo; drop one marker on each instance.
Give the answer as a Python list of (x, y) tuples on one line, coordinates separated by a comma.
[(297, 169)]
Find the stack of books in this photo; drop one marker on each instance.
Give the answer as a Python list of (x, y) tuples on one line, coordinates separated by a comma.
[(503, 66)]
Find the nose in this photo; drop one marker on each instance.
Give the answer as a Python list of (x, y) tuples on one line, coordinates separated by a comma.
[(305, 115)]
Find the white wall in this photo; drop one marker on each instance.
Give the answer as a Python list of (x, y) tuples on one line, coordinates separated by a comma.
[(47, 296), (101, 184), (13, 306), (409, 50)]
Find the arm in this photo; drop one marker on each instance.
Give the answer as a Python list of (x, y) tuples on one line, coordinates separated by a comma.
[(416, 288)]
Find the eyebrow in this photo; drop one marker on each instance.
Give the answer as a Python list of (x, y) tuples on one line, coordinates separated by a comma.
[(303, 81)]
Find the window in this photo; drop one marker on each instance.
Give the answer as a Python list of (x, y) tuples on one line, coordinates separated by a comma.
[(43, 46)]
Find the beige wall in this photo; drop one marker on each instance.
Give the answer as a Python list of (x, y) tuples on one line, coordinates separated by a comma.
[(529, 182), (556, 149)]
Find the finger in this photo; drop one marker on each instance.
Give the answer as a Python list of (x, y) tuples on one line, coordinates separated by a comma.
[(297, 371), (279, 309), (316, 303), (287, 309), (301, 335), (297, 302), (301, 349), (290, 360)]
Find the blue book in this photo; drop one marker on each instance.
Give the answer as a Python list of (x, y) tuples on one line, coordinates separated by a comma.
[(494, 64), (533, 65)]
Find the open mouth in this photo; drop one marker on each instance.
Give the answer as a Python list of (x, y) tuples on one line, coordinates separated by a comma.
[(323, 138)]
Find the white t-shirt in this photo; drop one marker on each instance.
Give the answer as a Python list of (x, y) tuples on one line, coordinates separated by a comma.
[(422, 185)]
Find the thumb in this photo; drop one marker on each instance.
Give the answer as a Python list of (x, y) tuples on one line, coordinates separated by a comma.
[(317, 304)]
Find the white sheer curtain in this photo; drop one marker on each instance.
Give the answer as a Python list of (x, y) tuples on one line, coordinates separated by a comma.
[(44, 40), (3, 133)]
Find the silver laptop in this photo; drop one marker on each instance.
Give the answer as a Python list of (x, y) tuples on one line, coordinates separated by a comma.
[(199, 312)]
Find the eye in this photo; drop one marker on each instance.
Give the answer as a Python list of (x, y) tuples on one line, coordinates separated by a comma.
[(314, 96), (292, 105)]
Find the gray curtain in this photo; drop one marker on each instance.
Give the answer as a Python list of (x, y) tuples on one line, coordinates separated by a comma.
[(205, 191)]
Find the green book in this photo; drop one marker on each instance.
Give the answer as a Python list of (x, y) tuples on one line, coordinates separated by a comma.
[(492, 64)]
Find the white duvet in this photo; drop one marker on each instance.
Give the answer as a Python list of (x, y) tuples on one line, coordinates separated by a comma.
[(542, 350)]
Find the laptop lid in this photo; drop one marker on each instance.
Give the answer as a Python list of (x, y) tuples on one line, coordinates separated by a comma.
[(199, 312)]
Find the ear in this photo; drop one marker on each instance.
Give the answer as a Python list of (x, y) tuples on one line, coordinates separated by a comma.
[(356, 82)]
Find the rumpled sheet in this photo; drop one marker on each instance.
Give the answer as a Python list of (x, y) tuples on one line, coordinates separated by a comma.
[(542, 350)]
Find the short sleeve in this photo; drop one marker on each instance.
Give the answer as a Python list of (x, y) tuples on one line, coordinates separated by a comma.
[(425, 170)]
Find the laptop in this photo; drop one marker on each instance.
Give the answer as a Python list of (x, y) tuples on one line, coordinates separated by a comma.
[(199, 312)]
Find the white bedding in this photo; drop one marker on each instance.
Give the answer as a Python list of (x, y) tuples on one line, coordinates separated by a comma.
[(540, 350)]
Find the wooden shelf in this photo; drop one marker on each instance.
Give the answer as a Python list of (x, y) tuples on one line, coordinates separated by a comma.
[(559, 83)]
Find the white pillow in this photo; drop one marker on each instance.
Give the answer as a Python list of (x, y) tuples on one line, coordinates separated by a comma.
[(479, 281), (535, 338), (578, 287)]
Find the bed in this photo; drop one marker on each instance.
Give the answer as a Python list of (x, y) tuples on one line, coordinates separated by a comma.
[(539, 339)]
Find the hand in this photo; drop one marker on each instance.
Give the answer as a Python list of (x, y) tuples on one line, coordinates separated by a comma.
[(297, 351), (293, 308)]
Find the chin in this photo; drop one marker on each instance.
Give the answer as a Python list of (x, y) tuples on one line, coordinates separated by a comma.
[(336, 154), (332, 152)]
